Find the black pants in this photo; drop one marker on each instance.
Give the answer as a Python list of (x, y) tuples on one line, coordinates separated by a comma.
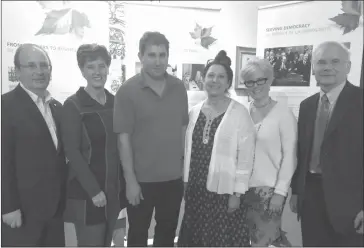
[(166, 198), (34, 234), (317, 230)]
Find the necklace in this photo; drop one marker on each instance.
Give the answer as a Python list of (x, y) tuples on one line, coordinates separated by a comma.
[(264, 105)]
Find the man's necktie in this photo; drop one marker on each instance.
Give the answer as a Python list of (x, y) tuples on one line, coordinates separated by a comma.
[(320, 128)]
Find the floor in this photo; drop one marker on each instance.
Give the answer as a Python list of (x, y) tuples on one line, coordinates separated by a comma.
[(290, 225)]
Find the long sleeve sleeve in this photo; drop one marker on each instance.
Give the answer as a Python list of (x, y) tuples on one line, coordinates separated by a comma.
[(245, 153), (71, 134), (288, 134), (9, 190)]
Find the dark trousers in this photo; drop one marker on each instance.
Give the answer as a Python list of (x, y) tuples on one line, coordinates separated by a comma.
[(34, 233), (316, 227), (166, 198)]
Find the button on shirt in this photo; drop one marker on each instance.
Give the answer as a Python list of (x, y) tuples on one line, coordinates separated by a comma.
[(45, 110)]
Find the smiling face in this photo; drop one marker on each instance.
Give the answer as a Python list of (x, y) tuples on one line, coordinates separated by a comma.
[(331, 66), (216, 81), (95, 72), (35, 70), (258, 92), (154, 60)]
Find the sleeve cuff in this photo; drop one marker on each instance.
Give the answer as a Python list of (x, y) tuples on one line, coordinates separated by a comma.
[(280, 192)]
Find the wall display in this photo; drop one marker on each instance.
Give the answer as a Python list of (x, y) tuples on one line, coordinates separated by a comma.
[(293, 36), (243, 54), (60, 27), (192, 76), (117, 45), (192, 33)]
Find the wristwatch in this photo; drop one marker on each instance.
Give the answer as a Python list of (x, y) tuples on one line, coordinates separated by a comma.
[(237, 194)]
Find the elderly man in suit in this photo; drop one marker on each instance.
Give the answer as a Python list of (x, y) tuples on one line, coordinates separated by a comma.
[(33, 168), (327, 188)]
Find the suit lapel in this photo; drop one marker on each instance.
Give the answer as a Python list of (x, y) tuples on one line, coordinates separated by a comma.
[(310, 123), (31, 109), (55, 112), (341, 107)]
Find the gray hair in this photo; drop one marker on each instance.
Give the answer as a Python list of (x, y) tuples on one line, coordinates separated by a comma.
[(325, 44), (256, 63)]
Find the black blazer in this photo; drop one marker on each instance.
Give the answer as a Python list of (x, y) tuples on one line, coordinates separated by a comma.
[(33, 172), (341, 156)]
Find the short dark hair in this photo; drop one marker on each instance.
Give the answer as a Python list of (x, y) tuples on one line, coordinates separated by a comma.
[(21, 48), (152, 38), (91, 52), (223, 60)]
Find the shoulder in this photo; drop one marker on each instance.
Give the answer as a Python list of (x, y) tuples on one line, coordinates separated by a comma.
[(309, 99), (238, 109), (8, 97), (129, 86)]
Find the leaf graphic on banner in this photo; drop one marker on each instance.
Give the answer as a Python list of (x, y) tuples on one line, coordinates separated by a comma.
[(206, 32), (56, 22), (196, 32), (207, 41), (64, 21), (346, 21), (351, 7)]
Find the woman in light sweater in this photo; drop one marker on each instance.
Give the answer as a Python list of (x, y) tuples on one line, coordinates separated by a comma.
[(275, 155), (219, 151)]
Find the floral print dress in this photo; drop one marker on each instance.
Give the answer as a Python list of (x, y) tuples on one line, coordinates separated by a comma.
[(206, 221)]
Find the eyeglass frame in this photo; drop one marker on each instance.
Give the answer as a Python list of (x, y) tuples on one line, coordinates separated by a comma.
[(34, 66), (256, 82)]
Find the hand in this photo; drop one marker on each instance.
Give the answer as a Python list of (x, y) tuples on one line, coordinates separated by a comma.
[(234, 203), (293, 203), (13, 219), (358, 222), (99, 200), (133, 192), (276, 203)]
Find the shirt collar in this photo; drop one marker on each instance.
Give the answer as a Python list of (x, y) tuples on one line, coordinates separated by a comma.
[(35, 97), (145, 78), (334, 93)]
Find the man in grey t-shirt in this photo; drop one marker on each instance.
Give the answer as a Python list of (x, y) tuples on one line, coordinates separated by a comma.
[(150, 117)]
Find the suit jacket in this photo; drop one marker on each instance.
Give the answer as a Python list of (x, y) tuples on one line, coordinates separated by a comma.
[(33, 171), (341, 156), (304, 70)]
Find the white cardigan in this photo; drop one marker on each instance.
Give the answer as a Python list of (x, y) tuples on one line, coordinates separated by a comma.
[(232, 153)]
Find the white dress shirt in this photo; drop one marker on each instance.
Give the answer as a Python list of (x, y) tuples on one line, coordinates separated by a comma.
[(332, 95), (45, 110)]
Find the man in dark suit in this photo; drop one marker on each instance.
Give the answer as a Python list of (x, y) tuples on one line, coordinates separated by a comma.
[(327, 187), (304, 68), (33, 168)]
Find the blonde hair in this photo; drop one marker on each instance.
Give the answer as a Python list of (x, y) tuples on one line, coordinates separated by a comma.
[(256, 64), (325, 44)]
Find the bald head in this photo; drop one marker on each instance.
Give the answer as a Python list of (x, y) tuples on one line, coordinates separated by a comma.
[(33, 68), (26, 49)]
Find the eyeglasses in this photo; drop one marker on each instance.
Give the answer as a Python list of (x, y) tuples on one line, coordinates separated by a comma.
[(33, 66), (259, 81)]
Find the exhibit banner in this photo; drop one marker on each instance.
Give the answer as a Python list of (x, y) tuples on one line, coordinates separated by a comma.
[(60, 27), (289, 32)]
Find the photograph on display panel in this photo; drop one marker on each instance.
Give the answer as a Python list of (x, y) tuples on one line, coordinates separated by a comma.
[(291, 65), (192, 76)]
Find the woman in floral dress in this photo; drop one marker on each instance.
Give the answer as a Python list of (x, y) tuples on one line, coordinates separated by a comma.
[(218, 162)]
